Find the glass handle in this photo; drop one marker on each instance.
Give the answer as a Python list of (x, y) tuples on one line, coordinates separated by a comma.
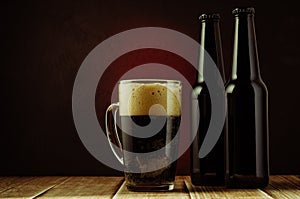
[(112, 111)]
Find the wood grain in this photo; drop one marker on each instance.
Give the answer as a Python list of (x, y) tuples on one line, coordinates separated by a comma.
[(178, 192), (281, 186), (210, 192), (287, 186), (10, 182), (85, 187), (28, 187)]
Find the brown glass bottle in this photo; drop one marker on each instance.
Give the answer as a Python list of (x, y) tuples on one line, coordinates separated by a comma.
[(247, 164), (210, 169)]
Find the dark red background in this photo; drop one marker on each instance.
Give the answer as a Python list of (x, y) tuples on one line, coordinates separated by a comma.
[(43, 44)]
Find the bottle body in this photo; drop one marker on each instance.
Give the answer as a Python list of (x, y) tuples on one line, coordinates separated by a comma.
[(210, 169), (247, 135), (247, 162)]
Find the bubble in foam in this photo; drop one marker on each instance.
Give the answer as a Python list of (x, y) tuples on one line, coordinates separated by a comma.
[(154, 99)]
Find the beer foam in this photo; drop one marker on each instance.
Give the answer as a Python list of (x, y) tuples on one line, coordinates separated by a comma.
[(150, 99)]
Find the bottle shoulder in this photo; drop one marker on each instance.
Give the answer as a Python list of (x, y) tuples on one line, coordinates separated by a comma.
[(241, 86), (200, 88)]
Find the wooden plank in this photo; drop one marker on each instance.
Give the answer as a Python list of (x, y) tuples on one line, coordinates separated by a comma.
[(287, 186), (25, 187), (85, 187), (10, 182), (210, 192), (178, 192)]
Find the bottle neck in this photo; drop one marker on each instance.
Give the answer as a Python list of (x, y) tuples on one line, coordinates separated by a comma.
[(245, 65), (210, 41)]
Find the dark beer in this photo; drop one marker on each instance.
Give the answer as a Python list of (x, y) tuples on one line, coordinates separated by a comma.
[(247, 118), (150, 114), (165, 175)]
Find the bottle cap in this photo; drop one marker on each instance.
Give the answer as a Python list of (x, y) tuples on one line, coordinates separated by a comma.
[(208, 16), (247, 10)]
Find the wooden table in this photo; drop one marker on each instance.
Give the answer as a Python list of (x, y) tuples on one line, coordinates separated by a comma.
[(283, 186)]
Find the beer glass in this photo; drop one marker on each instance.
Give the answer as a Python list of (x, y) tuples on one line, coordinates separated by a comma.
[(149, 114)]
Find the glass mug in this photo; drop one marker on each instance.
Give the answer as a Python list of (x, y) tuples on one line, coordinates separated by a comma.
[(149, 117)]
